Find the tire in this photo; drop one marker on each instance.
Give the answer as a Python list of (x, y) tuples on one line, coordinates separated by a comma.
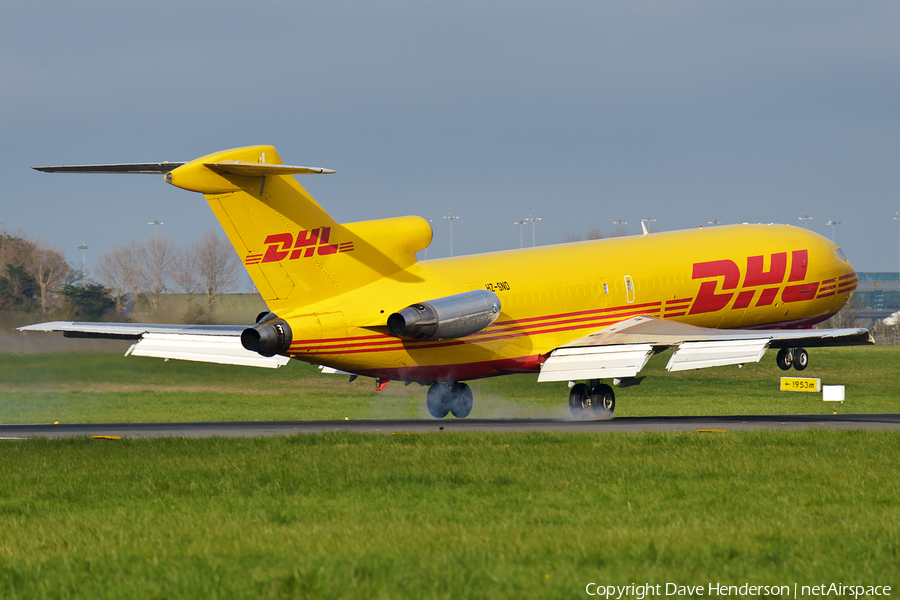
[(438, 400), (801, 359), (461, 400), (579, 400), (784, 359), (603, 399)]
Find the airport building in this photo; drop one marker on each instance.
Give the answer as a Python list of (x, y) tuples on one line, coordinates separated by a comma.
[(876, 298), (878, 295)]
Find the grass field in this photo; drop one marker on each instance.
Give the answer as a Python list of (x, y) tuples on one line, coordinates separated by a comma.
[(96, 387), (442, 515), (446, 515)]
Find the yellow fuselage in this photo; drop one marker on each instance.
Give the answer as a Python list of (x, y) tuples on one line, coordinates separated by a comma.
[(740, 276)]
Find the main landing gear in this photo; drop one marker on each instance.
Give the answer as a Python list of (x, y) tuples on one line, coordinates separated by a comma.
[(788, 357), (455, 398), (594, 401)]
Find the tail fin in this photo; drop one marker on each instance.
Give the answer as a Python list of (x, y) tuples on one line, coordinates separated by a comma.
[(294, 251)]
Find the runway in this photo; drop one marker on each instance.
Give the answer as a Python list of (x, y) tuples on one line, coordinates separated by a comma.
[(628, 424)]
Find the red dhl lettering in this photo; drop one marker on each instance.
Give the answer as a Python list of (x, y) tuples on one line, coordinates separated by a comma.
[(723, 277), (307, 243)]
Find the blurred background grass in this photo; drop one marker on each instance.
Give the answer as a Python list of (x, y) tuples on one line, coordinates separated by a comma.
[(104, 387)]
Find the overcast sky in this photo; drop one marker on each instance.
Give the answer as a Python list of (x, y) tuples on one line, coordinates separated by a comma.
[(581, 113)]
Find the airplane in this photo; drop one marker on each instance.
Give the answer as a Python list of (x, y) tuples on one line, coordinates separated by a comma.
[(353, 298)]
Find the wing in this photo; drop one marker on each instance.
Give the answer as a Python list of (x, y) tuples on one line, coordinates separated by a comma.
[(202, 343), (623, 349)]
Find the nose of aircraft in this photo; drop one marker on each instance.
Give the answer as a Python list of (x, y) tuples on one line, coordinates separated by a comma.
[(838, 277)]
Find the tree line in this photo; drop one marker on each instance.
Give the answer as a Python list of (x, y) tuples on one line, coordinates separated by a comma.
[(36, 282), (209, 267)]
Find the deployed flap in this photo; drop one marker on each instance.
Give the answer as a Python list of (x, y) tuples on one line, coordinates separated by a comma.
[(699, 355), (569, 364), (225, 350)]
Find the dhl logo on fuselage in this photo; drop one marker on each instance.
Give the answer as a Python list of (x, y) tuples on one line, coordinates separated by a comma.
[(308, 243), (761, 284)]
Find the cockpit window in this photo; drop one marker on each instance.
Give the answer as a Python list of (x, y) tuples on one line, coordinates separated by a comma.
[(842, 255)]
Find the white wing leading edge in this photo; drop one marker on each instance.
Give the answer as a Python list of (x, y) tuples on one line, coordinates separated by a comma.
[(201, 343), (622, 350)]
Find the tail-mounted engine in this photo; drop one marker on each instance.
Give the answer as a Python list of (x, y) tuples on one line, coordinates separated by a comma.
[(270, 335), (448, 317)]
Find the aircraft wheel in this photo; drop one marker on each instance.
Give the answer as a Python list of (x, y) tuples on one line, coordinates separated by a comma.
[(603, 398), (461, 400), (801, 359), (784, 359), (438, 400), (579, 400)]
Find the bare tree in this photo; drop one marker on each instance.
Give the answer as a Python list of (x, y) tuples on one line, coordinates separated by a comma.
[(185, 273), (155, 266), (592, 234), (50, 270), (218, 265), (119, 270)]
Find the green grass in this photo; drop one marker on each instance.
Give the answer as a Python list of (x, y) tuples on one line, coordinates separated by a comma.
[(445, 515), (96, 387), (441, 515)]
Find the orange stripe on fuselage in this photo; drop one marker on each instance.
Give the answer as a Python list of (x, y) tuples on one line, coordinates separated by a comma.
[(500, 330)]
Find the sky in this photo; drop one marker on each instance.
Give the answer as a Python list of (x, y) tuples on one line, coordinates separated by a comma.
[(579, 113)]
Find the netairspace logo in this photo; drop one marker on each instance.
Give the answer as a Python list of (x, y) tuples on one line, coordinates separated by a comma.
[(647, 590)]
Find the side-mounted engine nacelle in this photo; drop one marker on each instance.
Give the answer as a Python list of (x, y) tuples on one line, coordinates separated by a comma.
[(270, 335), (448, 317)]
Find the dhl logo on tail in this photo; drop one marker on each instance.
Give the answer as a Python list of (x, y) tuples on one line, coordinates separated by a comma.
[(309, 242)]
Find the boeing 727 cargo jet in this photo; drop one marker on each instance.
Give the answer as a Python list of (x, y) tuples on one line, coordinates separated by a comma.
[(353, 298)]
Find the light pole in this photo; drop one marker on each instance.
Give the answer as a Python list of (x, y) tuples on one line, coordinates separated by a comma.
[(644, 222), (432, 233), (833, 223), (451, 218), (520, 223), (532, 219), (155, 224), (620, 227), (805, 218), (83, 247)]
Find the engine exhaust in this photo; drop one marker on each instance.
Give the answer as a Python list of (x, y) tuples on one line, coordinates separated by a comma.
[(270, 336)]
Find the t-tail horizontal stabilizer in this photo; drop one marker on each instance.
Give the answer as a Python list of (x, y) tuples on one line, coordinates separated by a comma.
[(230, 167)]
